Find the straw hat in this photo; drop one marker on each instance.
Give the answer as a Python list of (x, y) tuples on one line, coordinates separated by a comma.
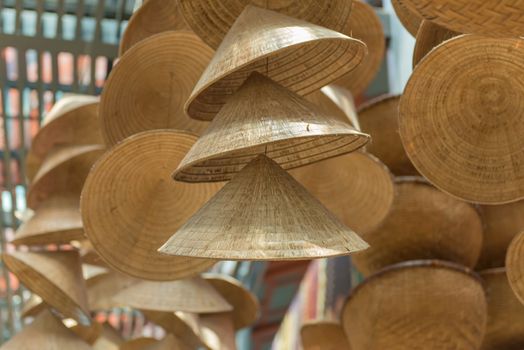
[(56, 277), (515, 266), (341, 103), (88, 255), (410, 19), (365, 25), (184, 325), (212, 19), (217, 331), (263, 214), (379, 118), (357, 187), (130, 205), (190, 295), (56, 220), (138, 343), (299, 55), (148, 87), (63, 172), (323, 335), (88, 333), (426, 304), (89, 271), (102, 288), (264, 117), (324, 102), (429, 35), (46, 332), (168, 343), (153, 17), (423, 223), (461, 118), (501, 224), (488, 17), (109, 339), (505, 328), (33, 306)]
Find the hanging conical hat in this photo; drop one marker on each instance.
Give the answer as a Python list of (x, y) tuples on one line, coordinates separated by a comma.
[(515, 265), (217, 331), (365, 25), (90, 271), (323, 335), (88, 255), (183, 325), (487, 17), (130, 205), (46, 332), (320, 99), (109, 339), (88, 333), (264, 117), (56, 220), (411, 20), (379, 118), (427, 304), (505, 328), (63, 172), (429, 35), (169, 342), (148, 87), (190, 295), (263, 214), (357, 187), (102, 288), (56, 277), (138, 343), (33, 306), (461, 118), (299, 55), (424, 223)]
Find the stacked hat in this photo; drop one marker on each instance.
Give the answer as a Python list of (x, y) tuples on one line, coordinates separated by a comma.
[(323, 335)]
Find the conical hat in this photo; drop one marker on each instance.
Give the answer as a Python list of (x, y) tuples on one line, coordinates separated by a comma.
[(365, 25), (337, 102), (169, 342), (183, 325), (488, 17), (102, 288), (264, 117), (130, 205), (357, 187), (46, 332), (299, 55), (217, 331), (63, 172), (424, 223), (190, 295), (429, 35), (379, 118), (410, 19), (138, 343), (515, 266), (147, 89), (88, 333), (263, 214), (109, 339), (90, 271), (245, 304), (88, 255), (426, 304), (56, 220), (505, 328), (323, 335), (33, 306), (461, 118), (56, 277)]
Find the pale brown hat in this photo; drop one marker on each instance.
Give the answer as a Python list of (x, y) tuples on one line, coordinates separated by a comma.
[(429, 35), (263, 214), (169, 342), (217, 331), (138, 343), (323, 335), (424, 223), (88, 333), (33, 306), (102, 288), (515, 265), (330, 107), (461, 118), (56, 277), (183, 325), (148, 87), (130, 205), (299, 55), (264, 117), (88, 255), (109, 339), (410, 19), (426, 304)]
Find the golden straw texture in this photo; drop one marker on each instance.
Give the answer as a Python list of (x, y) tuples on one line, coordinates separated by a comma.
[(410, 19), (429, 35), (103, 287), (169, 342), (515, 266), (323, 335), (217, 331), (138, 343), (183, 325)]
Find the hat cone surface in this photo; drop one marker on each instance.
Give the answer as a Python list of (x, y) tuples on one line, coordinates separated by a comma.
[(264, 117), (33, 306), (217, 331), (130, 205), (300, 56), (424, 223), (190, 295), (429, 35), (148, 87), (102, 288), (56, 277), (138, 343), (515, 266), (46, 332), (323, 335), (413, 306), (183, 325), (169, 342), (461, 123), (263, 214), (410, 19)]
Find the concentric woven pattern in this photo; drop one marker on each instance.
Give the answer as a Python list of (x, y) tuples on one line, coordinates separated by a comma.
[(413, 306), (323, 335), (515, 266), (410, 19), (429, 36), (148, 87), (461, 118), (263, 117), (263, 214), (423, 223), (211, 20), (130, 205), (487, 17), (299, 55)]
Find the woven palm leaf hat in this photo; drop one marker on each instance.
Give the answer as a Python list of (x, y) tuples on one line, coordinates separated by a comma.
[(33, 306), (424, 223), (411, 305), (103, 287), (487, 17), (183, 325), (217, 331), (323, 335), (169, 342), (429, 35), (325, 102), (515, 265), (130, 205), (410, 19), (461, 122), (138, 343), (56, 277), (109, 339), (88, 333), (148, 87)]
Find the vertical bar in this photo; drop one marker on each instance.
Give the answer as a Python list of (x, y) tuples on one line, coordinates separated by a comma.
[(39, 53), (18, 23)]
